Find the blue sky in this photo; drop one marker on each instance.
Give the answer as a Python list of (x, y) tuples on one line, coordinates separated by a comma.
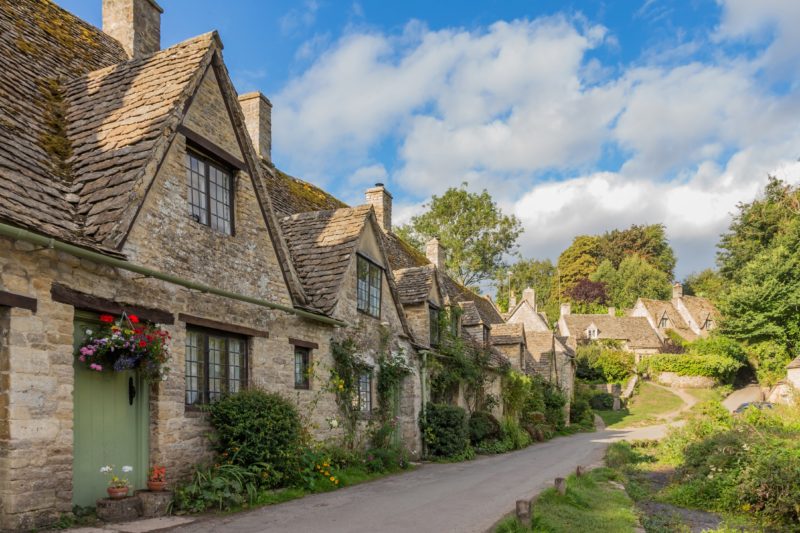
[(577, 116)]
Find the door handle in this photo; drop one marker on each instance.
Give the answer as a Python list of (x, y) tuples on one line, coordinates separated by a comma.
[(131, 391)]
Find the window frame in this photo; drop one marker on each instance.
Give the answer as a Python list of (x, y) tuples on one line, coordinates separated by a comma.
[(209, 160), (369, 295), (434, 325), (204, 393), (592, 333), (306, 383), (664, 322), (361, 394)]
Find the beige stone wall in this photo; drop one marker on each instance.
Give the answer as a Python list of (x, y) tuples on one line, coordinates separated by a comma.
[(514, 354), (526, 315), (209, 116), (418, 319), (793, 376)]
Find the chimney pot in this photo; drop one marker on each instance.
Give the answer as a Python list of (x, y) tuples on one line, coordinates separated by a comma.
[(529, 295), (381, 201), (566, 309), (435, 253), (257, 111), (677, 290), (136, 24)]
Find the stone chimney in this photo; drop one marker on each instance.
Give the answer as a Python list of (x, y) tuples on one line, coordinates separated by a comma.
[(612, 311), (566, 309), (136, 24), (257, 111), (512, 301), (381, 201), (677, 290), (529, 295), (435, 253)]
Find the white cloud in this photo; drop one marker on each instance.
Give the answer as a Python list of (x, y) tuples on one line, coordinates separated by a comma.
[(299, 18), (571, 144)]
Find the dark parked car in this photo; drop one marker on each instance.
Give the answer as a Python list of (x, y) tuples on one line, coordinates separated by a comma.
[(758, 405)]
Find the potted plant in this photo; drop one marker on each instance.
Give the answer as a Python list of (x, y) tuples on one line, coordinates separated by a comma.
[(157, 479), (126, 344), (117, 486)]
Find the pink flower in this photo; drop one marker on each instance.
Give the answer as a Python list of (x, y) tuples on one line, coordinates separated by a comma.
[(87, 350), (82, 358)]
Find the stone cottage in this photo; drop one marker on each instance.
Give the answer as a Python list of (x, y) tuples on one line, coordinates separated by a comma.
[(690, 317), (135, 180), (633, 333)]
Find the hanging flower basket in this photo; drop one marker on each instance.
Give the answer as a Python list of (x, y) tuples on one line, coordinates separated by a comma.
[(126, 344)]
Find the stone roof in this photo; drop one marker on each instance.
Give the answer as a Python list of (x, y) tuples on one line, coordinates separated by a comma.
[(321, 244), (497, 359), (80, 123), (507, 334), (657, 309), (401, 254), (40, 46), (794, 364), (291, 195), (414, 284), (700, 309), (484, 311), (635, 330), (116, 118)]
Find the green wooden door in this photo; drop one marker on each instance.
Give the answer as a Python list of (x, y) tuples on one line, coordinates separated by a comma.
[(110, 427)]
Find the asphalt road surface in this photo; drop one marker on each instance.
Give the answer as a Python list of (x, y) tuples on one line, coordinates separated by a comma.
[(460, 497)]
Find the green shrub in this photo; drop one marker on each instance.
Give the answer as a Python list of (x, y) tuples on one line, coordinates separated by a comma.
[(770, 360), (223, 486), (718, 345), (483, 426), (580, 409), (770, 485), (719, 367), (445, 430), (600, 362), (602, 401), (385, 459), (514, 433), (254, 426), (554, 402)]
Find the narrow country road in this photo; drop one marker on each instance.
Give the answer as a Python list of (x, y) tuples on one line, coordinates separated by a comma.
[(751, 393), (459, 497)]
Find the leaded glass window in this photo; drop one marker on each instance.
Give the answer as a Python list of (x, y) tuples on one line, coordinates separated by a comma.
[(216, 365), (369, 287), (302, 360), (210, 193)]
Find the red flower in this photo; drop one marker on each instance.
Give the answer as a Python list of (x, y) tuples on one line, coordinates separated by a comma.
[(106, 318), (142, 344), (134, 319)]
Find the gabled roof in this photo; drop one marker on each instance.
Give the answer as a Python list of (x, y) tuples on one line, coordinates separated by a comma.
[(660, 308), (322, 244), (635, 330), (507, 334), (401, 254), (414, 284), (484, 311), (291, 195), (497, 359), (40, 46), (700, 309)]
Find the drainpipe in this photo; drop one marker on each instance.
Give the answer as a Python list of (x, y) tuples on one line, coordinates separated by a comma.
[(48, 242), (423, 384)]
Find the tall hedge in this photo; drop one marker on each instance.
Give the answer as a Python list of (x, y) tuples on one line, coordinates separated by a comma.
[(445, 430)]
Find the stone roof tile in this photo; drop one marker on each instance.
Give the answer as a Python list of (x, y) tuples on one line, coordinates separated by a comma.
[(507, 333), (414, 284), (635, 330)]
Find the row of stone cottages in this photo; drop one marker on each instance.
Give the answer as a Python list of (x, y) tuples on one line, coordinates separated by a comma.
[(135, 180)]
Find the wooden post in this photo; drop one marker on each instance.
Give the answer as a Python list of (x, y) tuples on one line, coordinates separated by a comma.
[(561, 485), (580, 470), (524, 511)]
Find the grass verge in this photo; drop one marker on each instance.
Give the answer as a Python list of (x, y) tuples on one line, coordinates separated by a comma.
[(643, 409)]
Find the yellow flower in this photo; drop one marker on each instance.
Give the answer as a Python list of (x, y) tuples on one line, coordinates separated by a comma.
[(327, 473), (333, 479), (337, 481)]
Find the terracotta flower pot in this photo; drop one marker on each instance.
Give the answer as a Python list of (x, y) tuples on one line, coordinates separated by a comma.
[(117, 493), (156, 486)]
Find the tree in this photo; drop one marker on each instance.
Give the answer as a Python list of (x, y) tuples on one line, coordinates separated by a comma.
[(707, 283), (589, 296), (635, 278), (533, 273), (756, 226), (647, 241), (473, 229), (577, 262)]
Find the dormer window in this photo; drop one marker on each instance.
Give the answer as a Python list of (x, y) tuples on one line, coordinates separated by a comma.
[(708, 325), (433, 318), (664, 323), (210, 192), (485, 336), (369, 287), (592, 332)]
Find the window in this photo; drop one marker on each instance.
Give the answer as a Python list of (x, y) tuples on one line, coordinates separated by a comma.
[(216, 364), (210, 193), (485, 336), (592, 332), (709, 324), (433, 316), (302, 360), (664, 322), (369, 287), (365, 392)]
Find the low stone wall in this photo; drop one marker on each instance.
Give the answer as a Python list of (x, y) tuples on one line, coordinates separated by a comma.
[(613, 389), (672, 379)]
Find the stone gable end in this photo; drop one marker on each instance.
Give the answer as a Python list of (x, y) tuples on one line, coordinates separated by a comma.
[(208, 115)]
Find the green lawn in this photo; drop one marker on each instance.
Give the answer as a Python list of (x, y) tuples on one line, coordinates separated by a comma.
[(591, 503), (705, 395), (644, 408)]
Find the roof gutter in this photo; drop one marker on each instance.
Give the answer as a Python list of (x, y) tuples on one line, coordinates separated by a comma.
[(48, 242)]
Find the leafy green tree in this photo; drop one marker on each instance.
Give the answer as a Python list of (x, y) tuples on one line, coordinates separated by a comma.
[(647, 241), (577, 262), (756, 226), (707, 283), (473, 229), (635, 278), (533, 273)]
